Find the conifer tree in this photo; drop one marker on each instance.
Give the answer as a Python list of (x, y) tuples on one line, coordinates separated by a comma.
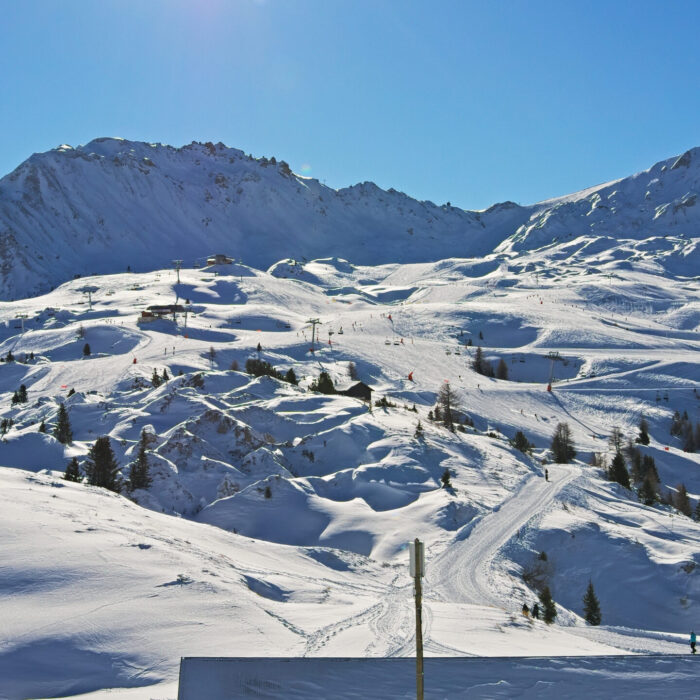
[(521, 443), (445, 479), (591, 606), (73, 471), (323, 384), (618, 471), (616, 439), (549, 609), (562, 444), (448, 403), (648, 493), (502, 369), (139, 473), (20, 396), (86, 350), (478, 361), (42, 427), (419, 434), (681, 501), (643, 437), (62, 432), (101, 467), (155, 378), (291, 376), (165, 376)]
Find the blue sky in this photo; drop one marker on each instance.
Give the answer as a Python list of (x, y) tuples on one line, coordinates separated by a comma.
[(467, 102)]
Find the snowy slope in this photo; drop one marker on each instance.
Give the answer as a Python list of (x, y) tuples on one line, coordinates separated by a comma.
[(318, 567)]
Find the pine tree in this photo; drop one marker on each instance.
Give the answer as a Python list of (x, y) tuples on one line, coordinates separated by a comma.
[(448, 402), (259, 348), (591, 606), (42, 427), (549, 609), (445, 479), (502, 369), (419, 434), (73, 471), (478, 361), (86, 350), (291, 376), (521, 443), (324, 384), (155, 378), (139, 473), (63, 432), (20, 396), (618, 471), (101, 467), (648, 493), (616, 439), (165, 376), (681, 501), (562, 444), (643, 437)]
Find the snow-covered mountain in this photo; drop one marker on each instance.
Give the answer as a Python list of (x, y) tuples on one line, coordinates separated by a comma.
[(114, 204)]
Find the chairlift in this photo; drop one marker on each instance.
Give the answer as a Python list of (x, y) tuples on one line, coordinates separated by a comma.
[(458, 351), (448, 352), (340, 331), (396, 342), (387, 342)]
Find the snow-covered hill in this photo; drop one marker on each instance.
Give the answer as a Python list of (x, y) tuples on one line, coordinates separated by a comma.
[(113, 205), (312, 497)]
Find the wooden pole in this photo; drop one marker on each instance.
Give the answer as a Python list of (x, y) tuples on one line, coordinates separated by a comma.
[(419, 626)]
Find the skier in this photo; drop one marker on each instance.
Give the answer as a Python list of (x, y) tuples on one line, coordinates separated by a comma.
[(410, 376), (546, 474), (536, 611), (692, 642), (526, 610)]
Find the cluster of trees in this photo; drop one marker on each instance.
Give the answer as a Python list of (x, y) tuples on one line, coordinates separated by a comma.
[(102, 469), (633, 469), (11, 358), (481, 366), (261, 368), (5, 425), (20, 396), (158, 379), (682, 427), (448, 409), (323, 384)]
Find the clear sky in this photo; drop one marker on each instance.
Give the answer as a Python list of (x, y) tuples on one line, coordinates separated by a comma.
[(471, 102)]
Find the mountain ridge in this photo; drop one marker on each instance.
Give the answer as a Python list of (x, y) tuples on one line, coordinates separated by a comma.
[(113, 204)]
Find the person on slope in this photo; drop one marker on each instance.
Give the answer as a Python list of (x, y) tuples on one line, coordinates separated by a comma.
[(692, 642)]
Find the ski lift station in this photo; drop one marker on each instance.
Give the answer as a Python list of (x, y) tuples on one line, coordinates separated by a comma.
[(219, 259)]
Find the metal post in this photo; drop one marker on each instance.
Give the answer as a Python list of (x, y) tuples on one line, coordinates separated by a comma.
[(417, 569), (178, 265), (419, 640)]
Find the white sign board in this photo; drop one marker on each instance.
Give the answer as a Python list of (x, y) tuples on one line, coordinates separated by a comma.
[(417, 562)]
